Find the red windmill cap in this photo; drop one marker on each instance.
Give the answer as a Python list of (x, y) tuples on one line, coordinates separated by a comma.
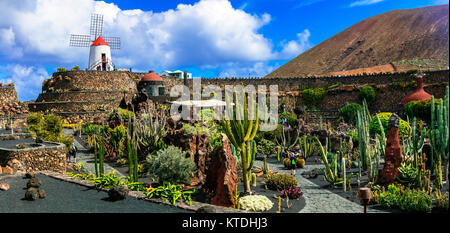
[(99, 41), (151, 76)]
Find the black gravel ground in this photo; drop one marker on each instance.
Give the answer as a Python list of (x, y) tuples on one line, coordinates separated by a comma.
[(65, 197), (12, 144)]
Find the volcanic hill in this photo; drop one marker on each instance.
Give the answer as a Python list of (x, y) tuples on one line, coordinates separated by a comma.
[(391, 40)]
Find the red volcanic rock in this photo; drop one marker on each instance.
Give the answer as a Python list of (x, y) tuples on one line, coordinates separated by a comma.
[(4, 186), (221, 174), (199, 150), (418, 94), (393, 153)]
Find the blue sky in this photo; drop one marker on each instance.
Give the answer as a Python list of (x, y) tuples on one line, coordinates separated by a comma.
[(210, 38)]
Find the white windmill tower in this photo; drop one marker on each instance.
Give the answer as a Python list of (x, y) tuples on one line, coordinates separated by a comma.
[(100, 46)]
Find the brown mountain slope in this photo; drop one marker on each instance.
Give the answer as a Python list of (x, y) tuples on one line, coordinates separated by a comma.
[(420, 33)]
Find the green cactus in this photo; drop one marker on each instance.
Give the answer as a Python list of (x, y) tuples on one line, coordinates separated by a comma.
[(416, 142), (254, 179), (440, 135), (132, 147), (331, 171), (265, 167), (287, 142), (241, 129)]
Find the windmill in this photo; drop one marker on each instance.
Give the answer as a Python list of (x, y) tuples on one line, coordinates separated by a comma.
[(100, 52)]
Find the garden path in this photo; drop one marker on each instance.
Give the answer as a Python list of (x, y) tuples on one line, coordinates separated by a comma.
[(319, 200), (83, 156)]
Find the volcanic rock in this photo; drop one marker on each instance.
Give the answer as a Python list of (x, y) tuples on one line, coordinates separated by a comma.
[(34, 183), (118, 193), (4, 186), (393, 153), (221, 175), (32, 194)]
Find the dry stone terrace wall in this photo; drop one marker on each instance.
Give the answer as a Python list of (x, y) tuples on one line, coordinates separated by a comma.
[(36, 159), (388, 98), (89, 80), (8, 95)]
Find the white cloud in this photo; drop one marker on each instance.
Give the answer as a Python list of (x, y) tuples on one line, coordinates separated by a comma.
[(257, 69), (295, 47), (364, 2), (27, 79), (208, 32)]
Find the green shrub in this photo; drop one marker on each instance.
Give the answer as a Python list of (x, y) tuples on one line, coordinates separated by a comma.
[(415, 201), (49, 128), (281, 181), (265, 147), (61, 69), (442, 202), (367, 93), (76, 68), (125, 114), (389, 199), (354, 134), (374, 127), (291, 119), (35, 123), (53, 124), (421, 109), (348, 112), (171, 165), (312, 97)]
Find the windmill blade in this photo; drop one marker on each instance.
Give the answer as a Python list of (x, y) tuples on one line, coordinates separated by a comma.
[(96, 29), (80, 40), (114, 42)]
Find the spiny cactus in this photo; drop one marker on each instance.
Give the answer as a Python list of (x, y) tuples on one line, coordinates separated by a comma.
[(254, 179), (241, 127), (416, 142), (440, 134)]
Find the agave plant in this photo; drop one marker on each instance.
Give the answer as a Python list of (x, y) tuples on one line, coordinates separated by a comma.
[(286, 140), (150, 129)]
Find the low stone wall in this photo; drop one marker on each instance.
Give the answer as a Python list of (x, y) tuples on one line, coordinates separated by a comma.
[(79, 96), (74, 106), (8, 95), (35, 159), (89, 80)]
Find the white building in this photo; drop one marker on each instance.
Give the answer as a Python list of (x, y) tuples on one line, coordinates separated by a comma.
[(100, 56), (177, 73)]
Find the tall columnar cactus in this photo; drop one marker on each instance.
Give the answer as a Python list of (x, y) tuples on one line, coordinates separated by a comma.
[(344, 175), (241, 128), (265, 167), (416, 142), (363, 121), (439, 134), (132, 148)]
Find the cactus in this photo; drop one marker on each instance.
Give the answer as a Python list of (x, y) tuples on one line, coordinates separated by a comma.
[(330, 171), (279, 204), (241, 131), (416, 142), (287, 142), (440, 135), (344, 184), (132, 147), (265, 167), (363, 120), (254, 179)]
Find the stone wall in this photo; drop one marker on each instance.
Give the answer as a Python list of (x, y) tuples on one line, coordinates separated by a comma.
[(35, 159), (89, 80), (388, 95), (8, 95)]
